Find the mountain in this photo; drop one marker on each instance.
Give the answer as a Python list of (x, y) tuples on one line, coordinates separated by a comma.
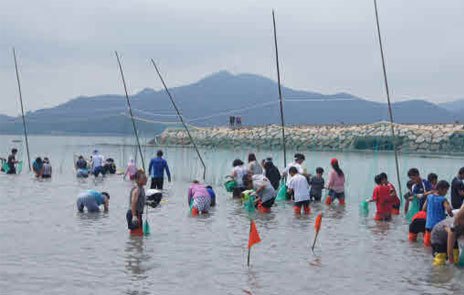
[(211, 101), (456, 107)]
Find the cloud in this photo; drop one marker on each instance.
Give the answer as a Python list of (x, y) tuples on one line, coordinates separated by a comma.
[(66, 47)]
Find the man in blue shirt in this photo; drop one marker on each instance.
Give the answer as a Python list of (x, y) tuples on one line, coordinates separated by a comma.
[(156, 169), (421, 188)]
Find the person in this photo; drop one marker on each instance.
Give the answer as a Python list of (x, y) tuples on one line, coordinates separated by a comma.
[(457, 190), (92, 200), (382, 198), (109, 167), (47, 168), (156, 169), (253, 166), (444, 239), (272, 173), (299, 159), (317, 184), (37, 167), (130, 170), (394, 196), (433, 179), (417, 225), (299, 186), (231, 121), (136, 204), (198, 198), (238, 172), (408, 195), (210, 190), (96, 163), (421, 187), (336, 185), (435, 206), (264, 191), (11, 162), (81, 166)]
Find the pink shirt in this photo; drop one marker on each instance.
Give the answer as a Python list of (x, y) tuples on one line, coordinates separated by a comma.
[(197, 190), (336, 183), (131, 168)]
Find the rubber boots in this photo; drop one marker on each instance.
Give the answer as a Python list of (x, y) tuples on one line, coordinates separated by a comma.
[(195, 211), (328, 200), (412, 237), (297, 210), (307, 210), (440, 259), (138, 232), (456, 256), (342, 202), (427, 241)]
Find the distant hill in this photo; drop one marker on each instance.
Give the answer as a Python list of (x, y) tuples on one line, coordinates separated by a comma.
[(456, 107), (212, 100)]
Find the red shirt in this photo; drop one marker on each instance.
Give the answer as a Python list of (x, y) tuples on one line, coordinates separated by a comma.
[(396, 200), (382, 199)]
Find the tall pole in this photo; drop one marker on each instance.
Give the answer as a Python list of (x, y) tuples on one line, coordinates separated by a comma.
[(130, 109), (22, 109), (280, 92), (180, 118), (394, 141)]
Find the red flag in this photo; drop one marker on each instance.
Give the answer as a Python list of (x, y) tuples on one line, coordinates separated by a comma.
[(318, 222), (254, 236)]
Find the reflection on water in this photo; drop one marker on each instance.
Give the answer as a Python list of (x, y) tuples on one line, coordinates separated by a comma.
[(47, 245)]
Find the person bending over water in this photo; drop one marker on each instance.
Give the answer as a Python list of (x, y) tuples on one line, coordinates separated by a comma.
[(336, 185), (199, 195), (265, 193), (92, 201), (136, 204)]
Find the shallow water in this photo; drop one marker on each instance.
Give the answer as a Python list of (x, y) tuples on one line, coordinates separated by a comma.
[(47, 247)]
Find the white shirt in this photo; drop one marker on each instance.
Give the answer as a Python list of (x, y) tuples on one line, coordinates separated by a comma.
[(297, 166), (240, 171), (300, 187), (97, 161)]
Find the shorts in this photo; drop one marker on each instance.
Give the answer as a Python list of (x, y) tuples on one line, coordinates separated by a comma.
[(129, 220), (46, 176), (417, 226), (316, 197), (89, 203), (82, 173), (302, 203), (202, 203), (97, 170), (335, 195), (442, 248), (157, 183), (268, 203)]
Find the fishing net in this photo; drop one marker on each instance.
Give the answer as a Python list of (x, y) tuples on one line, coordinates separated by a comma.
[(413, 209), (19, 167), (230, 185), (282, 194), (249, 201), (5, 166)]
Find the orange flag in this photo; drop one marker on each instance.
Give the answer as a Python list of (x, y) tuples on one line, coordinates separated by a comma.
[(254, 236), (318, 222)]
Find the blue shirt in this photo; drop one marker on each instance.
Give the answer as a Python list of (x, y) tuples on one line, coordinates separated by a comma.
[(157, 167), (424, 187), (435, 210), (99, 198)]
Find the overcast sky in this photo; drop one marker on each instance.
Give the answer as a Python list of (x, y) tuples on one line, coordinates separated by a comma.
[(65, 48)]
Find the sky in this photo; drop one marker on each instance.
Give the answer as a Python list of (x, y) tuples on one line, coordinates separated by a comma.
[(66, 49)]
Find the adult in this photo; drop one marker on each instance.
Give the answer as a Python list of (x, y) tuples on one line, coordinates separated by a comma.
[(47, 168), (156, 168), (297, 163), (11, 162), (198, 198), (238, 172), (457, 190), (264, 190), (253, 166), (97, 163), (272, 173), (81, 167), (92, 201), (336, 184), (130, 170), (421, 187)]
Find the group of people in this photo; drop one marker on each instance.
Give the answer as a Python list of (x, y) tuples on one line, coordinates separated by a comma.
[(42, 168), (264, 179), (95, 166)]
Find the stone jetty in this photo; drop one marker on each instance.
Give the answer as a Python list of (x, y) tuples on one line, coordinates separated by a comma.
[(429, 138)]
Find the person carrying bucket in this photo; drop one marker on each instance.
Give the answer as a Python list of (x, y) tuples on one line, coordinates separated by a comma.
[(136, 204), (336, 184)]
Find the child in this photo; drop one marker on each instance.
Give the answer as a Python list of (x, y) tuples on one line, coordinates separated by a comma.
[(130, 170), (444, 239), (12, 162), (421, 188), (317, 184), (435, 206), (209, 188), (47, 168), (136, 204), (300, 188), (198, 194), (382, 198), (336, 185), (433, 179), (394, 196), (37, 167)]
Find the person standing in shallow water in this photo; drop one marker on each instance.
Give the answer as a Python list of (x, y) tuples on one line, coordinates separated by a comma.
[(254, 167), (336, 185), (136, 204), (156, 169), (12, 162)]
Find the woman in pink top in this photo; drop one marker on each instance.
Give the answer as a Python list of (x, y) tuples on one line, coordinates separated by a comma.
[(131, 169), (199, 199), (336, 185)]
